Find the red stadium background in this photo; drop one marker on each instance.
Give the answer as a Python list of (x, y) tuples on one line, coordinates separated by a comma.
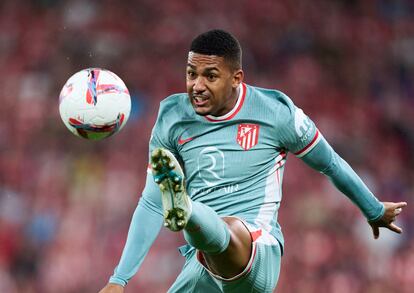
[(66, 203)]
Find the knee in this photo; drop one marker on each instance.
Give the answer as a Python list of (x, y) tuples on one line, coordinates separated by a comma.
[(239, 234)]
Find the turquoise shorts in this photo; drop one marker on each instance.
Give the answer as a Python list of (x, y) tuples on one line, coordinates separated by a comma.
[(260, 275)]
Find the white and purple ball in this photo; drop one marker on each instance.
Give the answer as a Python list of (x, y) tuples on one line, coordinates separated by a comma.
[(94, 103)]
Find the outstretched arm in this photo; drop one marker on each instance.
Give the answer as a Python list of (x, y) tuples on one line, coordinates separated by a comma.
[(325, 160), (392, 210), (300, 136), (145, 226)]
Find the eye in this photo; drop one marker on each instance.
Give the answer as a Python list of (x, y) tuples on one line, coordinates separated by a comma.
[(191, 74), (211, 77)]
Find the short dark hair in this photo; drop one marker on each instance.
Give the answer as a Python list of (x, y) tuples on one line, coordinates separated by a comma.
[(220, 43)]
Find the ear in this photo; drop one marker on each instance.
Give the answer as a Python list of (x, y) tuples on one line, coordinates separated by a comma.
[(238, 76)]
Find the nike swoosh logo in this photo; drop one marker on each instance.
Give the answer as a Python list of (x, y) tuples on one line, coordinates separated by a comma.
[(183, 141)]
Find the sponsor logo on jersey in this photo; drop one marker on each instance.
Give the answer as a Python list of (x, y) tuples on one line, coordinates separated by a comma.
[(247, 135), (221, 189), (303, 125), (211, 166)]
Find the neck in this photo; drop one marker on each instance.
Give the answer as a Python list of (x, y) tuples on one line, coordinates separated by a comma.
[(235, 94), (232, 106), (231, 102)]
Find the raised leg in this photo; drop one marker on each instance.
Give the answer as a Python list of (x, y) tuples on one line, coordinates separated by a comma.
[(225, 243)]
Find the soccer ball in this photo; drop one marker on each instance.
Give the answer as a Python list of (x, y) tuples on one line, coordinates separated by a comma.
[(94, 103)]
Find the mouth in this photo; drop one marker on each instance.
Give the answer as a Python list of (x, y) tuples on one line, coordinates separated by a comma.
[(200, 100)]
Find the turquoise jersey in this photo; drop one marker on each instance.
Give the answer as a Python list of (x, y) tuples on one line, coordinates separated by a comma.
[(235, 164)]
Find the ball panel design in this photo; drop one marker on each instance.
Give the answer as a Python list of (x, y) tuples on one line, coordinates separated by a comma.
[(94, 103)]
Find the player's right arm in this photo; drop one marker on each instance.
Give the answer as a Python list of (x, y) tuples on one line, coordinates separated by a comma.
[(145, 225), (147, 219)]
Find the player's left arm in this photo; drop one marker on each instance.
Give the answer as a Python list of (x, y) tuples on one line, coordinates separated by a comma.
[(379, 214), (300, 136)]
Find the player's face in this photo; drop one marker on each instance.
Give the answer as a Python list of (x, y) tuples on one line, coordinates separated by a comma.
[(212, 85)]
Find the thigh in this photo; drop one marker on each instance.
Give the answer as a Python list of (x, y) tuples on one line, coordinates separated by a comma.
[(236, 256), (194, 278), (263, 275), (262, 270)]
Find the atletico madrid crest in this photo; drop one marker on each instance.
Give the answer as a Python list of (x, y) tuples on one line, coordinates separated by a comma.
[(247, 135)]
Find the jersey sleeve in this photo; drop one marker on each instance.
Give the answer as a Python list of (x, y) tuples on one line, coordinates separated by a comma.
[(145, 225), (325, 160), (161, 136), (148, 218), (298, 133), (301, 137)]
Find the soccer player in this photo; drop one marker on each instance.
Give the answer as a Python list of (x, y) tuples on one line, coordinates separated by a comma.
[(217, 156)]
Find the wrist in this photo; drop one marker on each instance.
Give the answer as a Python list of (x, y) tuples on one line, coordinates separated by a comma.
[(115, 285), (379, 216), (117, 281)]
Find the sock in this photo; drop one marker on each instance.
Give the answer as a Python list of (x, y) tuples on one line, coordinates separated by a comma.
[(206, 231)]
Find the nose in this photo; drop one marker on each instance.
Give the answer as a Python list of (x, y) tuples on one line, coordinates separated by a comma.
[(199, 85)]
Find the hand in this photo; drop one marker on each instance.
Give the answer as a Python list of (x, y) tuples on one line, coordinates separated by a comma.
[(112, 288), (392, 210)]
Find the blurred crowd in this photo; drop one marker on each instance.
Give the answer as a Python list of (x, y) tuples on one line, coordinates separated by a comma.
[(66, 203)]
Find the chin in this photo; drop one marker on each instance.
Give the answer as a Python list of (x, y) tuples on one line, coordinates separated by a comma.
[(203, 112)]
